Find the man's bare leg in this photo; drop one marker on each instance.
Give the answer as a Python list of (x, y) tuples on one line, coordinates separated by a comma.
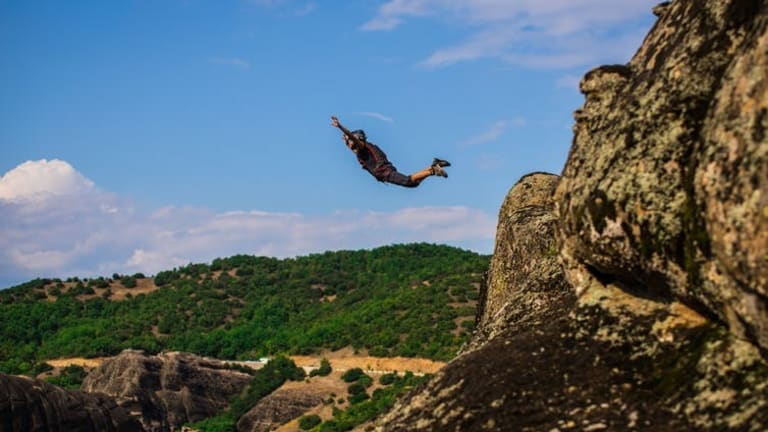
[(419, 176)]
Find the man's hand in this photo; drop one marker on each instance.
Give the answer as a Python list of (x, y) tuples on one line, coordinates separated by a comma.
[(335, 121)]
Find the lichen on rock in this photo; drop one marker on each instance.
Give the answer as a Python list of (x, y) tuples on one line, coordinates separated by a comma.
[(665, 184), (636, 296)]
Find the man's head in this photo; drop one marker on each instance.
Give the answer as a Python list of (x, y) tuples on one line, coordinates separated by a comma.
[(360, 134)]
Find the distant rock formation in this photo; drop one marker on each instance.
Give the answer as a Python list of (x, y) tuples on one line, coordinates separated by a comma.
[(632, 292), (169, 389), (28, 404), (277, 408)]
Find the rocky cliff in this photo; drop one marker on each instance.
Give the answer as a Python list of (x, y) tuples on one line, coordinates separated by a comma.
[(666, 185), (169, 389), (631, 293), (31, 405), (278, 408)]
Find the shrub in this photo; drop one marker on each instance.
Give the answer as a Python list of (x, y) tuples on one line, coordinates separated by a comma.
[(329, 426), (379, 351), (365, 381), (40, 368), (308, 422), (71, 377), (98, 283), (356, 388), (387, 379), (264, 382), (81, 289), (220, 423), (360, 397), (241, 368), (165, 277), (323, 370), (352, 375), (245, 271)]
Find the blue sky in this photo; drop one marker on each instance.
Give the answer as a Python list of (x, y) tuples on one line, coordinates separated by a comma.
[(140, 135)]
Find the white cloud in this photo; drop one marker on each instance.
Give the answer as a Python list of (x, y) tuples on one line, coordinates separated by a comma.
[(489, 43), (531, 33), (493, 132), (376, 115), (208, 236), (392, 13), (34, 180), (85, 232), (152, 262)]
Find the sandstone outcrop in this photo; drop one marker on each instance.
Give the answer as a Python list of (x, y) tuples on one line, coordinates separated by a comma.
[(605, 359), (31, 405), (666, 184), (167, 390), (277, 408), (634, 296), (525, 273)]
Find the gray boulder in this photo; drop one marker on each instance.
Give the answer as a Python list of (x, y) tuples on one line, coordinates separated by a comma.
[(525, 275), (276, 409), (28, 404), (665, 185), (169, 389)]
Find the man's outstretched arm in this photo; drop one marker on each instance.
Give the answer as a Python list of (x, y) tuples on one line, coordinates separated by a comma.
[(335, 123)]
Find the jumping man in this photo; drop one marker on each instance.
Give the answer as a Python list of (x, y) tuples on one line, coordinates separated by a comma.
[(373, 160)]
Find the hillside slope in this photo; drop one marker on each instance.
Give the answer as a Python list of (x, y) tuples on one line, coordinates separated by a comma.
[(414, 300)]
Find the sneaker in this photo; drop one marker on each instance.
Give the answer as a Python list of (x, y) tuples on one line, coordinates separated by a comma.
[(440, 163), (438, 171)]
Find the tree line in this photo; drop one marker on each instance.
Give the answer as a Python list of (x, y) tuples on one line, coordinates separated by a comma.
[(412, 300)]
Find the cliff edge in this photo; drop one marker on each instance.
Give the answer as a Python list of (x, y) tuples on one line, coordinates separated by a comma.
[(631, 293)]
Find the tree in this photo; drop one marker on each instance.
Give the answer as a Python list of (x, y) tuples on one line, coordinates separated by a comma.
[(71, 377), (352, 375), (309, 421), (323, 370)]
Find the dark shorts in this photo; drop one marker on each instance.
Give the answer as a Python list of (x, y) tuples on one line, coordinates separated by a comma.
[(391, 175)]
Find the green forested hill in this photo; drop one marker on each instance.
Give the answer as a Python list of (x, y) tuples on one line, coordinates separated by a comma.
[(408, 300)]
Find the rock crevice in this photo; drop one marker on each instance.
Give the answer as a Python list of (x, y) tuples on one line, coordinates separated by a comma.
[(634, 297)]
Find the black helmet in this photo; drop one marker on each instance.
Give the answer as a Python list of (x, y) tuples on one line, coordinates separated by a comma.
[(360, 134)]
